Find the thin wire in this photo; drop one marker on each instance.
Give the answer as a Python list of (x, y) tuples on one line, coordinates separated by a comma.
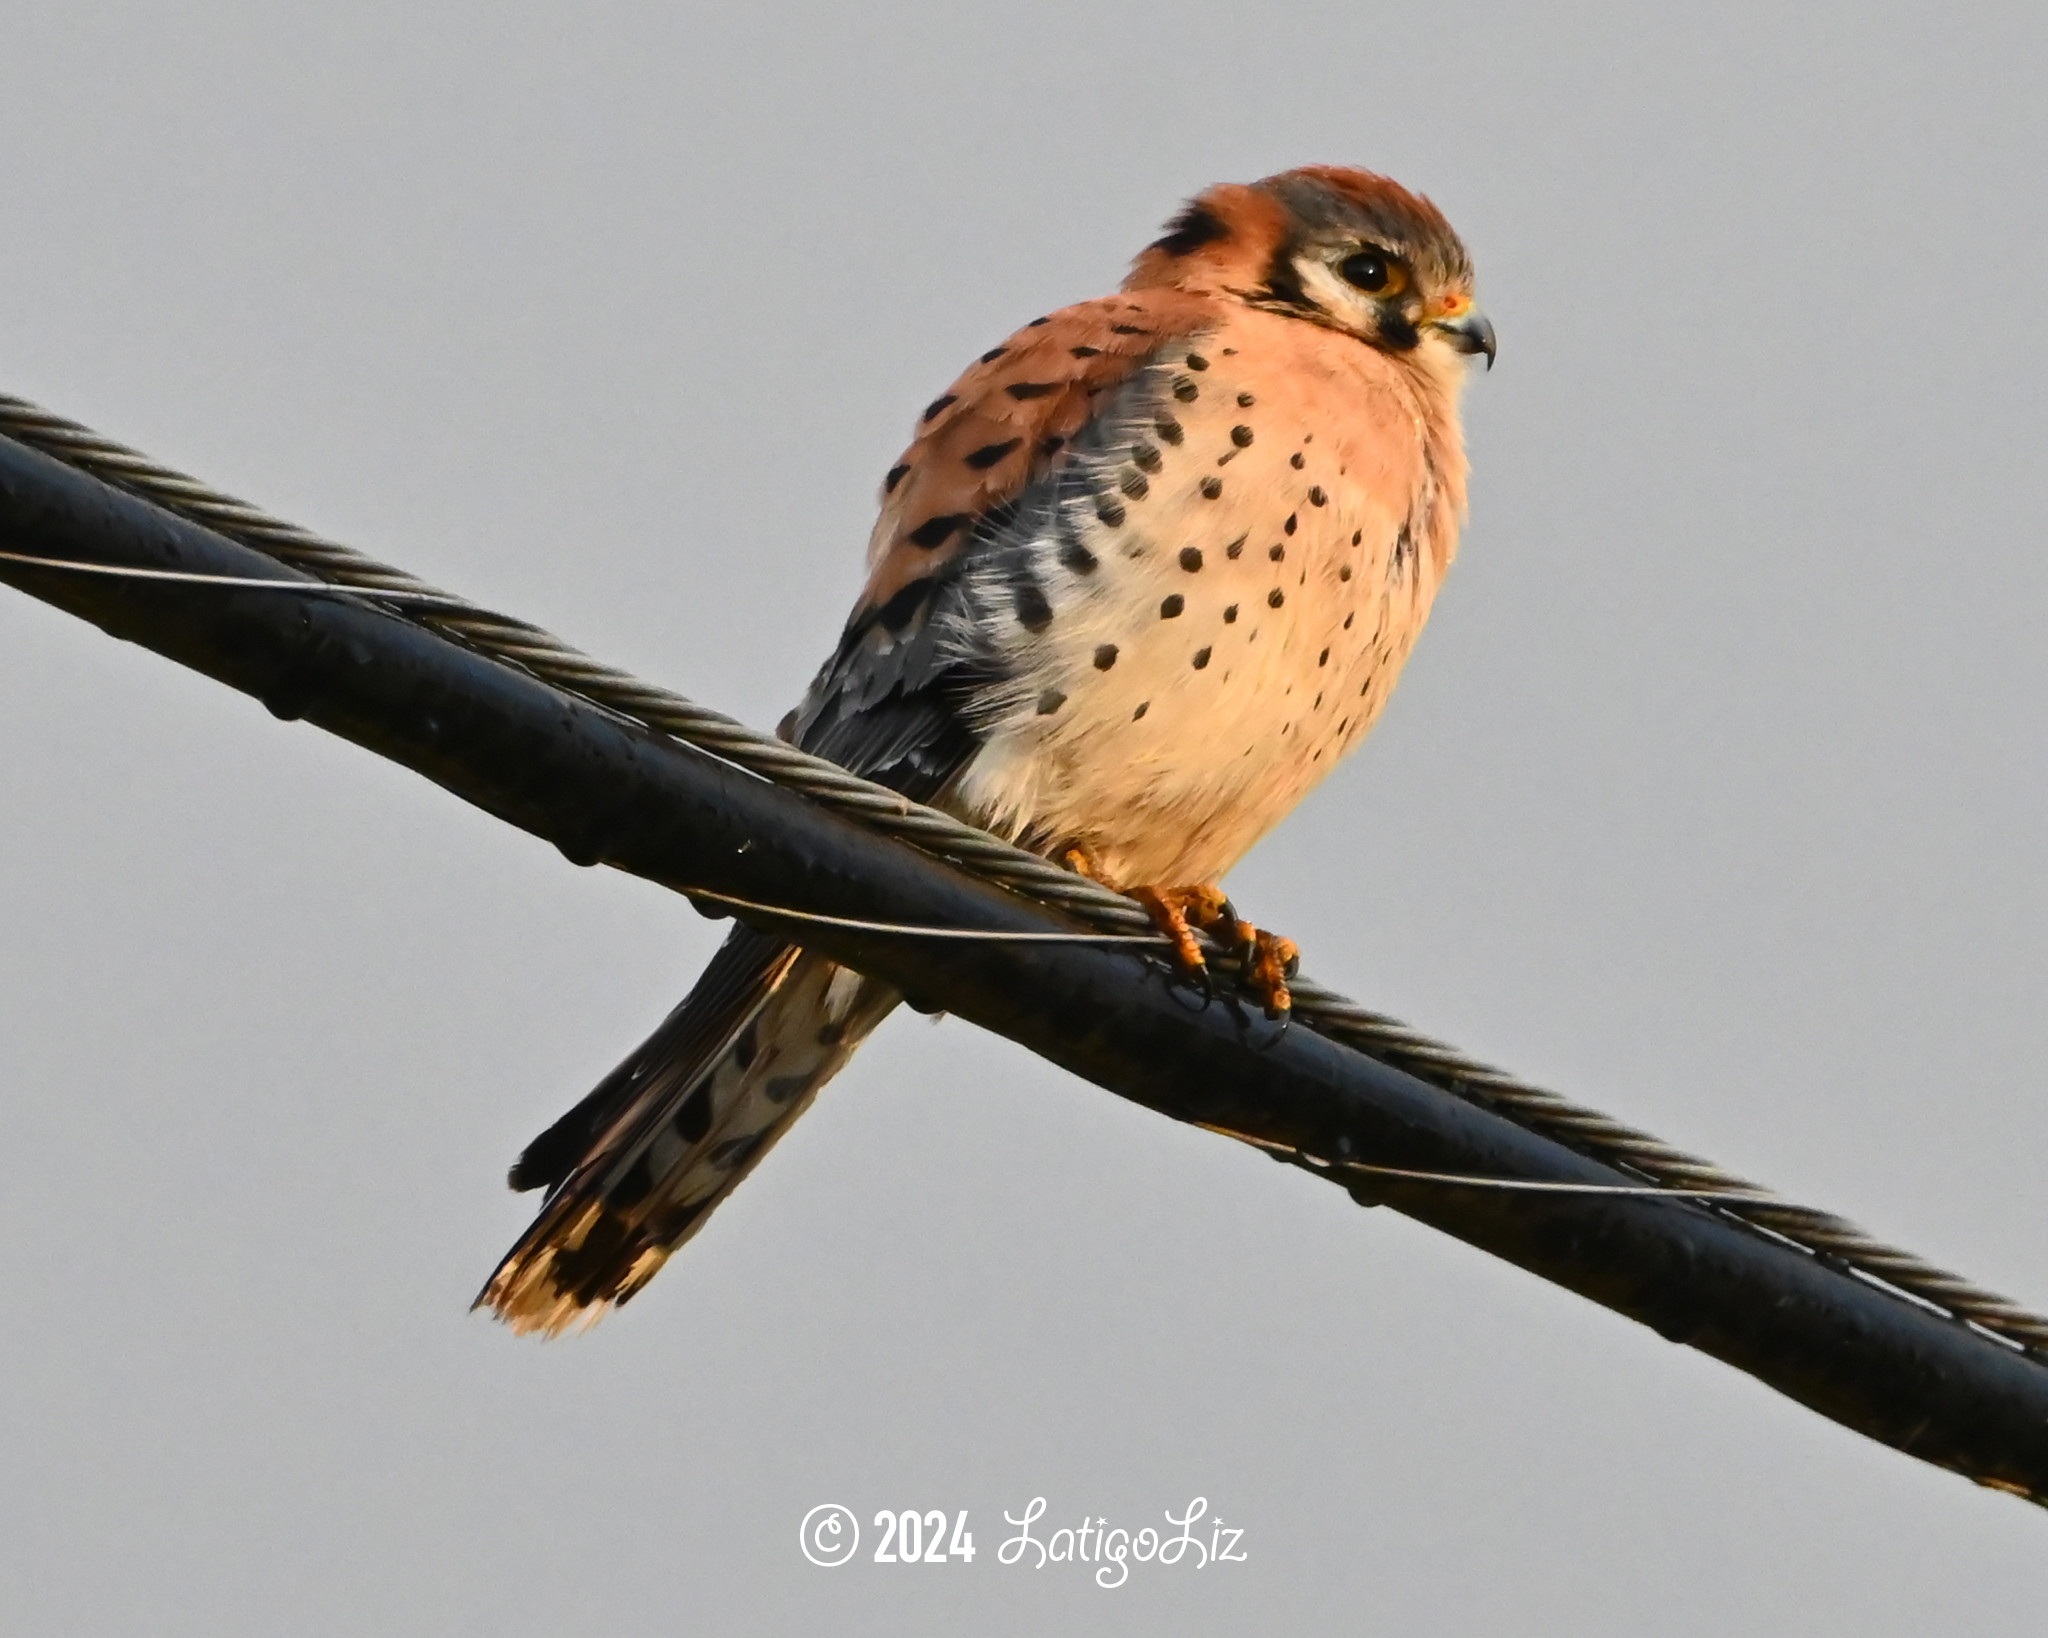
[(541, 654), (908, 929), (1520, 1185), (308, 588), (1470, 1180)]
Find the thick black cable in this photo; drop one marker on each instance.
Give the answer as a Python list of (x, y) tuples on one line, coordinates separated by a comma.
[(520, 643), (604, 788)]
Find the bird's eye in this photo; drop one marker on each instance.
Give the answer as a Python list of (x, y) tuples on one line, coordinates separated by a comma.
[(1374, 272)]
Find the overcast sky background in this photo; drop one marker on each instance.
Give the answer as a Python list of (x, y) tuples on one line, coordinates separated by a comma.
[(1714, 796)]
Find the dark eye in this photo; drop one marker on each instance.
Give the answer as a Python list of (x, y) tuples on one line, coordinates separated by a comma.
[(1374, 272)]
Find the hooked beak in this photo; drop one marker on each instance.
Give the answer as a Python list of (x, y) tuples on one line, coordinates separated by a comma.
[(1470, 332)]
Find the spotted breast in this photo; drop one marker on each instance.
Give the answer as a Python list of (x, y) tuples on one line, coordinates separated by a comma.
[(1207, 603)]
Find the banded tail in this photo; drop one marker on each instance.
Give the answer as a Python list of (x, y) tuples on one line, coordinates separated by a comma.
[(638, 1165)]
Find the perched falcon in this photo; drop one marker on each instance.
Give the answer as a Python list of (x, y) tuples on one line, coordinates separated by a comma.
[(1146, 571)]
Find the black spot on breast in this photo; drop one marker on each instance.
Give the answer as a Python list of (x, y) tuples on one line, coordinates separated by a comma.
[(1323, 659), (1135, 486), (1236, 547), (1275, 598), (1111, 511), (1127, 329), (1145, 456), (1143, 707), (1077, 557), (1034, 613), (1170, 608), (1241, 436), (1348, 619), (1226, 457), (1404, 547), (1197, 362), (1357, 535), (1211, 488), (1297, 461), (784, 1087), (1031, 389), (1085, 352), (894, 478), (937, 406), (1245, 400), (1344, 573), (693, 1119), (1276, 552), (1191, 558), (1185, 390), (987, 456), (1169, 429), (1316, 497), (1035, 323), (993, 354), (1288, 526), (1050, 701), (1230, 615), (1201, 659), (1105, 657), (937, 531)]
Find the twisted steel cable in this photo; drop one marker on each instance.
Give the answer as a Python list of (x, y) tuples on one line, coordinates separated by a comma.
[(551, 660)]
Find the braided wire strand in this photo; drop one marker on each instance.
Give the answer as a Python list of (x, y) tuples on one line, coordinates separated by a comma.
[(547, 657)]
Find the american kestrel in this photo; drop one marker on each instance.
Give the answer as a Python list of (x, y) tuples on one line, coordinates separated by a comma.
[(1145, 573)]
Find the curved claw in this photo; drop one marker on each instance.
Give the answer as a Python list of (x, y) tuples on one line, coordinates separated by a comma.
[(1265, 960)]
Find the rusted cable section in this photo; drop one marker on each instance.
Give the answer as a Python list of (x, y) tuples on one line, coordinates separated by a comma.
[(548, 658)]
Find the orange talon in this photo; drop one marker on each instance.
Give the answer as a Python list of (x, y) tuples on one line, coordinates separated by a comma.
[(1178, 911), (1266, 961), (1273, 961)]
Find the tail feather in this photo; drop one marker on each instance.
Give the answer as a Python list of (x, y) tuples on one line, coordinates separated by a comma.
[(739, 979), (641, 1162)]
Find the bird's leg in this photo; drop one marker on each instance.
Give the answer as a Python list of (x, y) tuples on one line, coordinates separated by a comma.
[(1080, 858), (1266, 961), (1178, 911)]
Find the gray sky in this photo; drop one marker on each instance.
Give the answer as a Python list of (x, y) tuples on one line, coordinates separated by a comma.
[(1714, 796)]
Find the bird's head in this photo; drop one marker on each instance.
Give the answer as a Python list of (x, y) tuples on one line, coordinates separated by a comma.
[(1342, 248)]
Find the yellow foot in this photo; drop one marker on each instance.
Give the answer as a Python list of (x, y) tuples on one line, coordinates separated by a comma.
[(1272, 961), (1265, 960)]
